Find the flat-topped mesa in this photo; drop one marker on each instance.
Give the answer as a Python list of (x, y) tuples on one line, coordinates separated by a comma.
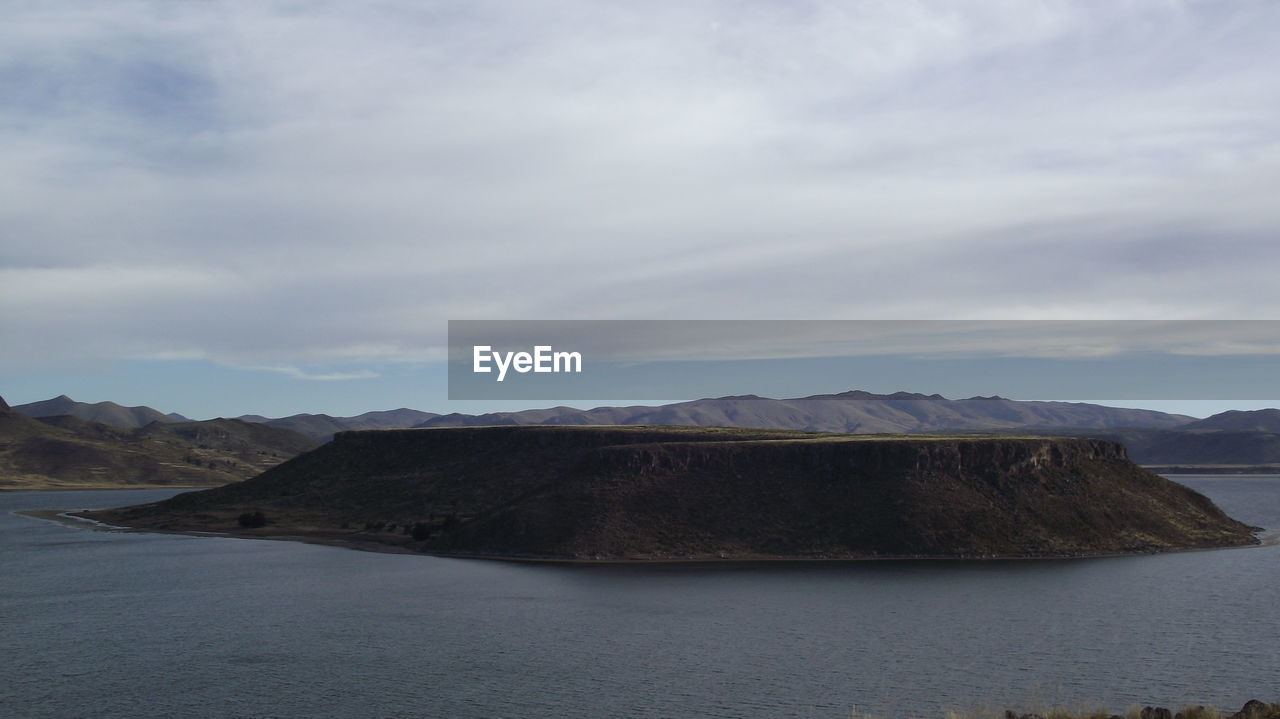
[(712, 493)]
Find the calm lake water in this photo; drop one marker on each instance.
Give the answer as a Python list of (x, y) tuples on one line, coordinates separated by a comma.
[(100, 624)]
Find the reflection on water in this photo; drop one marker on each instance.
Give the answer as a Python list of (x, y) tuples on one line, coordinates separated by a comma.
[(110, 624)]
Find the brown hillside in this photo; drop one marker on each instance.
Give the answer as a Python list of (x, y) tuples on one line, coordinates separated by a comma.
[(66, 452)]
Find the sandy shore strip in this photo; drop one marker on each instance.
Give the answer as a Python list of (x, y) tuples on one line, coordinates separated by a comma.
[(64, 516)]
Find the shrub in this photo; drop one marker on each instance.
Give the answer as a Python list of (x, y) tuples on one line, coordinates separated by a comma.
[(252, 520)]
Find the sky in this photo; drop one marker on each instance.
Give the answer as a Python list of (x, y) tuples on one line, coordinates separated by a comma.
[(219, 208)]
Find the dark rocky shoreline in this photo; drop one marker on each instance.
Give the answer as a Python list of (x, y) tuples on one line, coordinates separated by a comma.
[(1252, 709)]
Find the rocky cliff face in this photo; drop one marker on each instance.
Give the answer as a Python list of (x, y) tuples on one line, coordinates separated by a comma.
[(650, 492)]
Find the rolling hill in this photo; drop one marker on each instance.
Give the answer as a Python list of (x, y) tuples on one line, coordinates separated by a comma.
[(1259, 420), (853, 412), (322, 427), (104, 412), (66, 452)]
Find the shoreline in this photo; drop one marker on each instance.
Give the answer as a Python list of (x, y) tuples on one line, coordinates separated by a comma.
[(67, 517), (107, 488), (1163, 470)]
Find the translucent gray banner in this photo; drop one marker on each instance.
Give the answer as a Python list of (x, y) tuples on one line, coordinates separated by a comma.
[(573, 360)]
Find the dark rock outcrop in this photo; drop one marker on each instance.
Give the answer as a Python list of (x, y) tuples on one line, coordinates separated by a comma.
[(1254, 709)]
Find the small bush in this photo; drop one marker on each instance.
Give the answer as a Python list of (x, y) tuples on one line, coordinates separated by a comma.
[(252, 520), (450, 523)]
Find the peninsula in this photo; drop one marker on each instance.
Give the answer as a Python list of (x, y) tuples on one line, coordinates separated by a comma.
[(705, 493)]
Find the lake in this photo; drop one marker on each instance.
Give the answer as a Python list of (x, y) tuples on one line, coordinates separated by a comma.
[(110, 624)]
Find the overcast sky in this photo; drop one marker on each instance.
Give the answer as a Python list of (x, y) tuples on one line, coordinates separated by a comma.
[(302, 193)]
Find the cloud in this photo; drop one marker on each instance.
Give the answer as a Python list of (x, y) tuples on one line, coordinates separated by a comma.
[(698, 340), (296, 373), (283, 184)]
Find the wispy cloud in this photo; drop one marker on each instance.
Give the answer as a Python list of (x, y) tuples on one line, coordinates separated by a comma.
[(297, 373), (285, 185), (710, 340)]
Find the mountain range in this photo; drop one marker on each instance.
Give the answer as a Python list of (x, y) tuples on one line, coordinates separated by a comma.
[(854, 412), (320, 427), (1258, 420), (104, 412), (65, 451), (1230, 441)]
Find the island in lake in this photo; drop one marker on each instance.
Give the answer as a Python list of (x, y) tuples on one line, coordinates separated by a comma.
[(689, 493)]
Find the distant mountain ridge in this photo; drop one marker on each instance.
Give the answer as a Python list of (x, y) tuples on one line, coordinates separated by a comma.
[(1258, 420), (1231, 440), (104, 412), (65, 452), (322, 427), (854, 412)]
